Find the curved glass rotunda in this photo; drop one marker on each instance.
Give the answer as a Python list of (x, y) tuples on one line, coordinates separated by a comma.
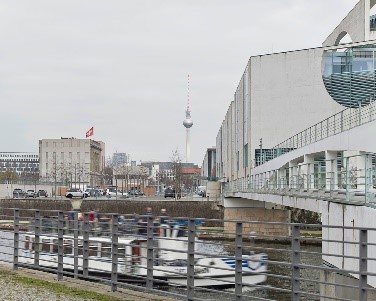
[(349, 75)]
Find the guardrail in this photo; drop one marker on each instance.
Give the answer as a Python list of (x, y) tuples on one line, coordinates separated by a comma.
[(351, 178), (111, 249), (345, 120)]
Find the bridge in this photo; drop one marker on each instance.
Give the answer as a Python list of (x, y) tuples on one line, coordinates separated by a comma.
[(320, 103)]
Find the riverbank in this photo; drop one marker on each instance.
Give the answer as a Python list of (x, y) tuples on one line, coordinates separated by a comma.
[(31, 285)]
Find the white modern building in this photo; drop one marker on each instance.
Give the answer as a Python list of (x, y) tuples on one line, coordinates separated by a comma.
[(22, 163), (283, 94), (72, 162)]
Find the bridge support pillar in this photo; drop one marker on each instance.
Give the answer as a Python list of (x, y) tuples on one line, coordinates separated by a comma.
[(262, 220)]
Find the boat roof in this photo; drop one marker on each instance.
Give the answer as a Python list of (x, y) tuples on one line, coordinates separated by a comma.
[(124, 240)]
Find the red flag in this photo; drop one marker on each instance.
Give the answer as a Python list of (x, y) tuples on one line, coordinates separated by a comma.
[(90, 132)]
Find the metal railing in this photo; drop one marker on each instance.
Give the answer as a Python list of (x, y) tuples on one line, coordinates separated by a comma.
[(298, 266), (354, 179), (335, 124)]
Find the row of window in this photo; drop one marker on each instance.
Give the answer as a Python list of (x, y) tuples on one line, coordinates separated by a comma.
[(18, 156)]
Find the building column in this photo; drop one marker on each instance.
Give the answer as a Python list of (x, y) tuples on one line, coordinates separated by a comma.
[(293, 168), (281, 178), (364, 166), (331, 170), (309, 171)]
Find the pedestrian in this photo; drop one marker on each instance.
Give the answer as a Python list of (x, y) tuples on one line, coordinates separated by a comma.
[(143, 222), (163, 217)]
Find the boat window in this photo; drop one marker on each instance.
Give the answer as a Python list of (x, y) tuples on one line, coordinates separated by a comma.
[(80, 249), (68, 246), (92, 250), (106, 250), (182, 233), (55, 247), (121, 251), (46, 245)]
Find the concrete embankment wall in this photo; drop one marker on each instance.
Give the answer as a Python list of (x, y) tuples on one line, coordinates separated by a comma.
[(261, 215), (194, 209)]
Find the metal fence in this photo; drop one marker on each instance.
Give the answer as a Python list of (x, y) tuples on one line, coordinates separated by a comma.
[(335, 124), (345, 178), (298, 265)]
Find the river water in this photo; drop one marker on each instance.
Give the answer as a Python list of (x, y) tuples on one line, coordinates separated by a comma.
[(279, 273)]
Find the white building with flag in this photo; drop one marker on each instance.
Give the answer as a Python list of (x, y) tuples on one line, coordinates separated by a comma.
[(72, 162)]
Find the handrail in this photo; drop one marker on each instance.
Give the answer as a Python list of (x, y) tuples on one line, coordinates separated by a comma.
[(342, 121)]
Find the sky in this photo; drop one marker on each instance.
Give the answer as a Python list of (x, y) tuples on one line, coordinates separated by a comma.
[(122, 67)]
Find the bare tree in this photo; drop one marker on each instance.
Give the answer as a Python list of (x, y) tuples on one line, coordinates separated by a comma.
[(176, 167), (10, 177)]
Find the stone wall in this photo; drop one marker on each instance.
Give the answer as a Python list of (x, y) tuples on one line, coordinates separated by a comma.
[(264, 216)]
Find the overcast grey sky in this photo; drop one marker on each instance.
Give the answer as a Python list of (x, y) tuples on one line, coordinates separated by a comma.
[(122, 66)]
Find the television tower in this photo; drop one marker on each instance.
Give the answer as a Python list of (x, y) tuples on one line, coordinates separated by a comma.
[(187, 124)]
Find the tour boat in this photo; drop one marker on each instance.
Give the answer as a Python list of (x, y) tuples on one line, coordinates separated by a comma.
[(169, 263)]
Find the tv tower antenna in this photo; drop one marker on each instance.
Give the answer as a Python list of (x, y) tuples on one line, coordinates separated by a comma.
[(187, 124)]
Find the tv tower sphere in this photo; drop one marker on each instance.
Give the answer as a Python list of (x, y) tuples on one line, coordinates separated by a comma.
[(188, 121)]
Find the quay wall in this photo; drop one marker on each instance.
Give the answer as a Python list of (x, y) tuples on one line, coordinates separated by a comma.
[(194, 209), (260, 215)]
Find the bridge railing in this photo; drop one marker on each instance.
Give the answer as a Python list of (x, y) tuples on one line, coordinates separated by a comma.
[(345, 120), (302, 265), (350, 178)]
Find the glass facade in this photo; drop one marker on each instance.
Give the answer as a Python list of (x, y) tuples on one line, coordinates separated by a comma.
[(349, 75)]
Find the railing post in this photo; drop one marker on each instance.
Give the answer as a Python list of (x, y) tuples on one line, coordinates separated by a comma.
[(341, 121), (114, 252), (191, 259), (238, 261), (16, 238), (60, 246), (150, 252), (85, 245), (75, 243), (363, 264), (37, 232), (295, 261), (347, 178)]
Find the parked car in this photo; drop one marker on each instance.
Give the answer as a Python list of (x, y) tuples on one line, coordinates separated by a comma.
[(75, 193), (18, 193), (169, 193), (112, 192), (42, 192), (90, 192), (30, 193)]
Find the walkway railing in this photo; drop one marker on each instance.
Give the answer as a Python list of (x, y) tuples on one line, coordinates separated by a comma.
[(348, 181), (338, 123), (297, 266)]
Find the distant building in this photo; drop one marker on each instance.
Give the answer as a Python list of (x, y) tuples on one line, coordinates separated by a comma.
[(119, 159), (208, 168), (162, 173), (21, 163), (130, 177), (71, 161)]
